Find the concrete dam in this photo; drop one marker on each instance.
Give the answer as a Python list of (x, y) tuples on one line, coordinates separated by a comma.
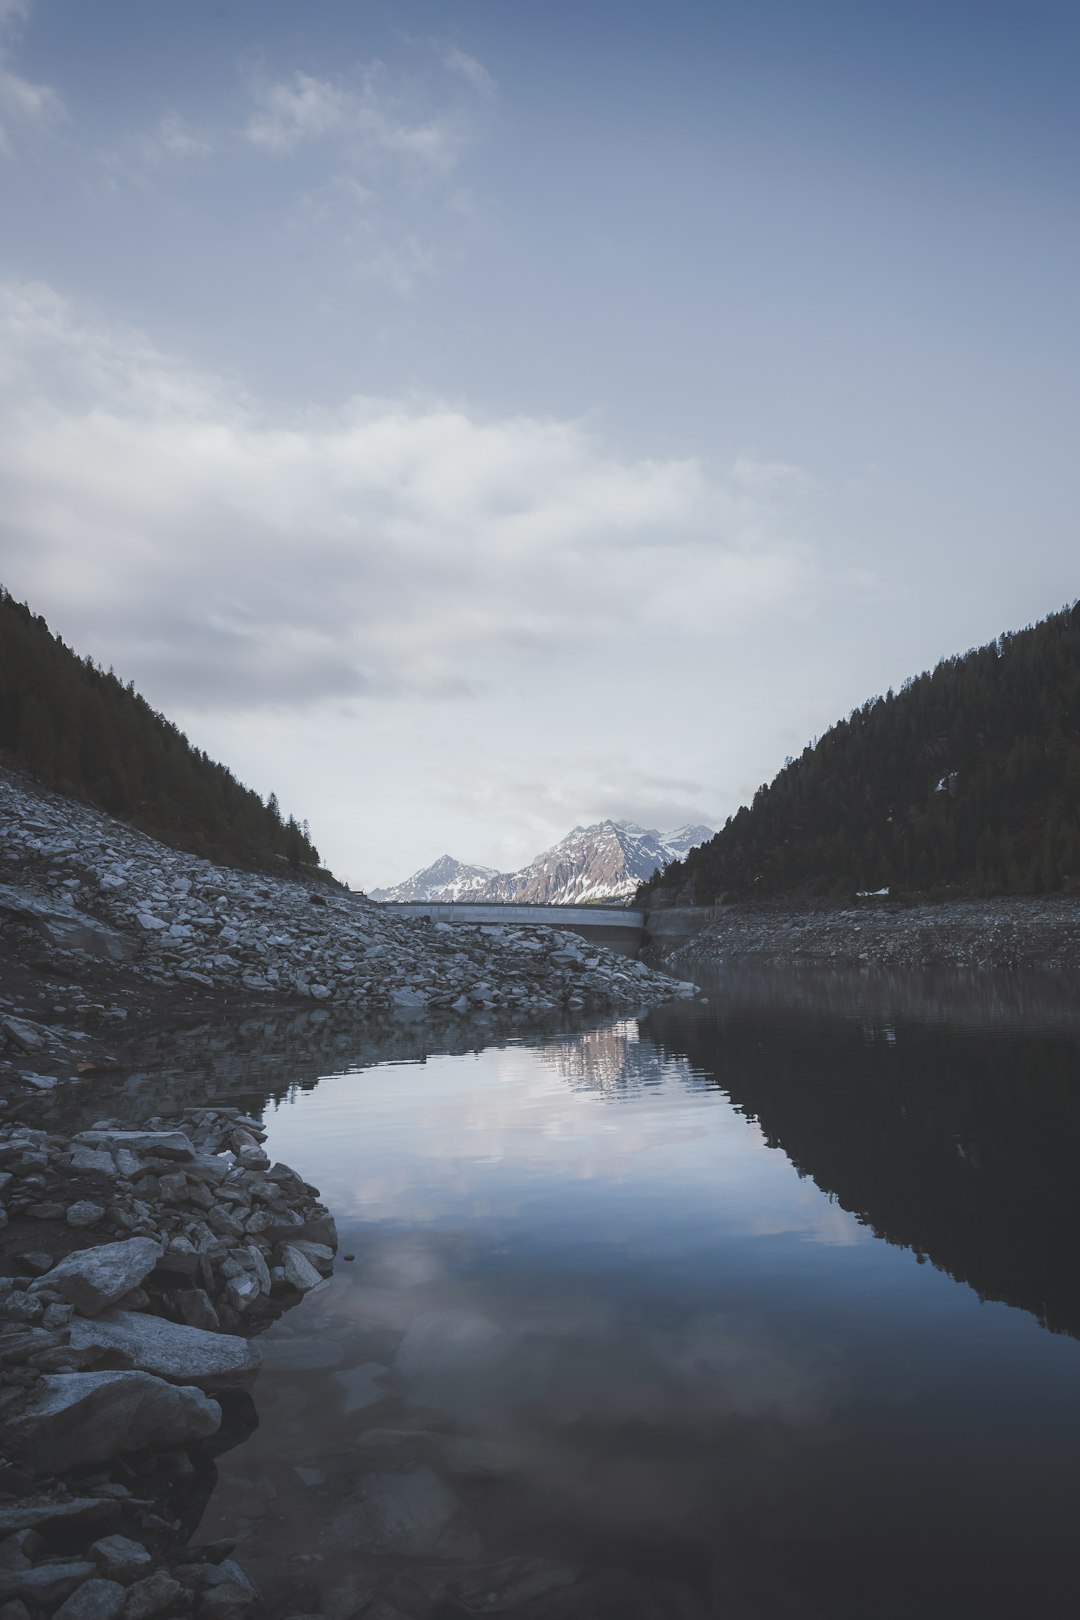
[(620, 928)]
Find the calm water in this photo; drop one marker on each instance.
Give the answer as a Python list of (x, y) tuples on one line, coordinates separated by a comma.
[(773, 1299)]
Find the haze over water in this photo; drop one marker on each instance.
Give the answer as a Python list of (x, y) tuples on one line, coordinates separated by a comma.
[(693, 1275)]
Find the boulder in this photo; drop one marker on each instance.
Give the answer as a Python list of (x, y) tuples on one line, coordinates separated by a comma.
[(453, 1362), (160, 1144), (121, 1559), (46, 1584), (171, 1350), (80, 1512), (94, 1600), (157, 1594), (364, 1386), (299, 1271), (412, 1515), (79, 1418), (91, 1279)]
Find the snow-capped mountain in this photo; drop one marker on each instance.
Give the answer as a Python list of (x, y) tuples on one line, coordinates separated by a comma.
[(444, 879), (603, 862)]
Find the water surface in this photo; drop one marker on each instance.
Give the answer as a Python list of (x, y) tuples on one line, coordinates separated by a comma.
[(773, 1299)]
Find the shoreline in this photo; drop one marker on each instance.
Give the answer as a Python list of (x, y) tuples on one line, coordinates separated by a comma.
[(138, 1268), (1012, 932)]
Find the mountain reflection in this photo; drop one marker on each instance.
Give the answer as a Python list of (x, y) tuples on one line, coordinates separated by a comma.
[(946, 1117)]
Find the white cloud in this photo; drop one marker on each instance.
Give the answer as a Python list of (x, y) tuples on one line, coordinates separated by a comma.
[(237, 556), (174, 141), (23, 104), (473, 72), (366, 121)]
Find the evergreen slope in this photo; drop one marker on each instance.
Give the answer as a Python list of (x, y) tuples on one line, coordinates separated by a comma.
[(967, 780), (82, 731)]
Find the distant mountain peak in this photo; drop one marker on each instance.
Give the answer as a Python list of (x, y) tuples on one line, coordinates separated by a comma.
[(603, 861)]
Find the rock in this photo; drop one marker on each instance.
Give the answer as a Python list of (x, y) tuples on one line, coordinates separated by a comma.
[(301, 1354), (85, 1213), (407, 1515), (88, 1417), (155, 1595), (299, 1271), (197, 1309), (94, 1600), (80, 1512), (364, 1386), (226, 1603), (451, 1361), (120, 1558), (159, 1144), (92, 1159), (171, 1350), (91, 1279), (46, 1584)]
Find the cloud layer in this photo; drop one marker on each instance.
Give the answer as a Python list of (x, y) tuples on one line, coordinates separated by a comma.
[(237, 556)]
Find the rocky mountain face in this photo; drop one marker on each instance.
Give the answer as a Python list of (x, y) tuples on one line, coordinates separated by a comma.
[(606, 861), (444, 879)]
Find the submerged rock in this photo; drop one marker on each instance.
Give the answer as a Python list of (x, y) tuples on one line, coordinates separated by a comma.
[(410, 1515)]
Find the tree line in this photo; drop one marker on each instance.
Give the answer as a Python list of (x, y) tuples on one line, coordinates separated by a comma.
[(80, 730), (966, 781)]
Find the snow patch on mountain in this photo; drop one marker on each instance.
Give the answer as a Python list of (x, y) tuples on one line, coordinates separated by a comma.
[(605, 861), (444, 879)]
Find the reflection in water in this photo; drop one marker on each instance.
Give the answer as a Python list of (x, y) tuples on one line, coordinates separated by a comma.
[(958, 1143), (618, 1314)]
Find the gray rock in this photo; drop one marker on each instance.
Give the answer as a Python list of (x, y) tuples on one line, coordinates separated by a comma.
[(408, 1515), (452, 1361), (364, 1386), (47, 1584), (183, 1355), (92, 1159), (91, 1279), (85, 1213), (94, 1600), (161, 1144), (81, 1512), (299, 1271), (155, 1595), (77, 1418), (120, 1558), (301, 1354)]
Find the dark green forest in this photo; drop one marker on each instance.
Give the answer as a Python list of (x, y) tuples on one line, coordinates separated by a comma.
[(966, 782), (80, 730)]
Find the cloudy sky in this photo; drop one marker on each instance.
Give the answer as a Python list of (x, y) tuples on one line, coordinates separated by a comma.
[(473, 420)]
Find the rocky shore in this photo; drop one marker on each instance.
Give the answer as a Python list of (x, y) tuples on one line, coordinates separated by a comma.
[(102, 928), (136, 1268), (1012, 932)]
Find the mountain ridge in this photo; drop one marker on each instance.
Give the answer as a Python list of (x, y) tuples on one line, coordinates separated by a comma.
[(606, 860)]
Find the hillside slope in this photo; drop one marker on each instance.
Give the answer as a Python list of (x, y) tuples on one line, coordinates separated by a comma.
[(965, 781), (80, 730)]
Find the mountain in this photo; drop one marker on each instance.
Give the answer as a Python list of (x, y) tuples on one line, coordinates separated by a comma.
[(444, 879), (82, 731), (966, 781), (603, 862)]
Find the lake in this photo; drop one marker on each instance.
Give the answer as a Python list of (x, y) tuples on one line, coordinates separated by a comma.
[(765, 1306)]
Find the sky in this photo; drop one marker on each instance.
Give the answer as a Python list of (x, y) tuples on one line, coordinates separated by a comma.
[(472, 421)]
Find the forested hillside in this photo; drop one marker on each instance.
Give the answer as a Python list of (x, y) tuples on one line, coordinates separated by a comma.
[(965, 781), (81, 730)]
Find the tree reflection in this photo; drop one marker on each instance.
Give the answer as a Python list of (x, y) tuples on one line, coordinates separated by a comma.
[(959, 1143)]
